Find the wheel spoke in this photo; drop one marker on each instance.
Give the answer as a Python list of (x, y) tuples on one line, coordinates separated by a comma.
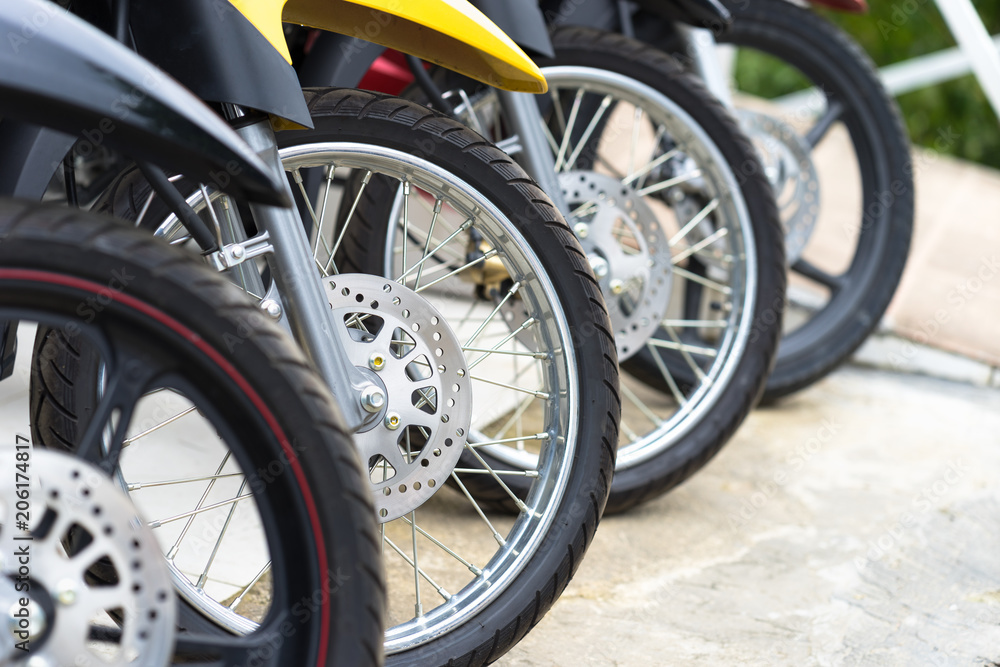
[(812, 272), (328, 171), (418, 607), (510, 473), (667, 376), (694, 222), (468, 265), (696, 324), (557, 109), (207, 508), (515, 418), (591, 126), (684, 347), (465, 226), (531, 321), (669, 183), (702, 280), (644, 171), (536, 394), (406, 219), (701, 245), (167, 422), (517, 501), (172, 552), (417, 571), (700, 374), (834, 111), (347, 222), (633, 145), (479, 510), (629, 433), (568, 132), (186, 480), (246, 589), (510, 293), (218, 542), (643, 408), (427, 241)]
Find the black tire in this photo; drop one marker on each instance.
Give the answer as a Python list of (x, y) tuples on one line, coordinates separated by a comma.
[(161, 300), (833, 61), (351, 115), (704, 439), (637, 484)]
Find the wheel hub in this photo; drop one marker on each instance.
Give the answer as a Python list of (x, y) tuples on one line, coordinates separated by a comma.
[(628, 251), (789, 167), (401, 342), (94, 525)]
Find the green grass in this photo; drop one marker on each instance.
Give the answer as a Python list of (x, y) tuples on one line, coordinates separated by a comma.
[(894, 31)]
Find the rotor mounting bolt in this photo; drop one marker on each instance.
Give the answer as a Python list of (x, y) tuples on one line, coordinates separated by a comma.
[(372, 399), (66, 592), (392, 421), (676, 194), (272, 308), (617, 287), (376, 362), (581, 229), (599, 265)]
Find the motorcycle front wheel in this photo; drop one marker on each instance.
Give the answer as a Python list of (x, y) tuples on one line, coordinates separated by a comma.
[(283, 474), (828, 131)]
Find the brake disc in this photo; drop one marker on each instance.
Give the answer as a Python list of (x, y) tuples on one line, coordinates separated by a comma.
[(419, 427), (82, 520), (628, 251), (787, 160)]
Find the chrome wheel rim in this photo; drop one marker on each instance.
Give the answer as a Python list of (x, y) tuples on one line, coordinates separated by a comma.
[(546, 375), (715, 212)]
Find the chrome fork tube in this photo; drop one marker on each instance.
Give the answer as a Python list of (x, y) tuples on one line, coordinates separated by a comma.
[(295, 273), (701, 47), (521, 111)]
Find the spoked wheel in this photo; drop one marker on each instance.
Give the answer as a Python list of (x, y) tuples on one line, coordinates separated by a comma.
[(838, 157), (680, 227), (157, 324), (55, 612), (454, 378)]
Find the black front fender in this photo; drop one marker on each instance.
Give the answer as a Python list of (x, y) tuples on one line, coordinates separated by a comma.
[(59, 72)]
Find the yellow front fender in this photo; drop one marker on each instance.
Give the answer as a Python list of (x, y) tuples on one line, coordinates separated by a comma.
[(450, 33)]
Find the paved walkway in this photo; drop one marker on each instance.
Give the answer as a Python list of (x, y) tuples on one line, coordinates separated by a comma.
[(856, 524)]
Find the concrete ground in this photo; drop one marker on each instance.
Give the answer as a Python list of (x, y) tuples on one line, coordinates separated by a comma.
[(856, 524)]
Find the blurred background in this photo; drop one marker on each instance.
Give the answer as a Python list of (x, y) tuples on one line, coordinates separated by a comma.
[(959, 103)]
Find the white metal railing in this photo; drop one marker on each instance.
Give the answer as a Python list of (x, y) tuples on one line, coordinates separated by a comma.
[(977, 52)]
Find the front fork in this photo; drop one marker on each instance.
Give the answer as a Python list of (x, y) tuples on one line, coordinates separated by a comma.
[(705, 59), (526, 121), (521, 110), (293, 269)]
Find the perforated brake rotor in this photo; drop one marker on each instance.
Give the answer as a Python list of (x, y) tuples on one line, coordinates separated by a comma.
[(628, 251), (789, 167), (89, 522), (405, 346)]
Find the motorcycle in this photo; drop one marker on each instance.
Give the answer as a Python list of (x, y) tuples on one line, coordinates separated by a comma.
[(159, 323), (667, 199), (828, 88), (521, 329)]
